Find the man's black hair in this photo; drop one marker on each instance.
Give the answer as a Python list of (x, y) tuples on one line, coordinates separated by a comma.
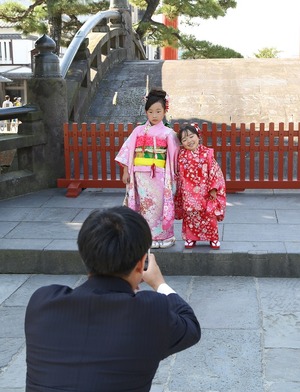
[(112, 241)]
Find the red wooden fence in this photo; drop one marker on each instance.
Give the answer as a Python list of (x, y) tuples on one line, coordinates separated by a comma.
[(251, 157)]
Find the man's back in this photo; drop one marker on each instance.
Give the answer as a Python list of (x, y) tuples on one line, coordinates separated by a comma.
[(102, 336), (7, 104)]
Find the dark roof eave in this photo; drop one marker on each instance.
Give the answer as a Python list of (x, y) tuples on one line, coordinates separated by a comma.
[(18, 76)]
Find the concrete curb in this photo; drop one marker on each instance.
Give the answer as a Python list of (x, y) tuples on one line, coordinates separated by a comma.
[(171, 263)]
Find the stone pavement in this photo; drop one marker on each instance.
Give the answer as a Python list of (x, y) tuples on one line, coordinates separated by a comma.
[(259, 236), (250, 319), (250, 334)]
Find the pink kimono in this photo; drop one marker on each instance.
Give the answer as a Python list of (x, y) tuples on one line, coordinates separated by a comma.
[(198, 173), (150, 153)]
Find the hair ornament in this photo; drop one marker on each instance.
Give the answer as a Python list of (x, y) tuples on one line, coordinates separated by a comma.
[(196, 126), (167, 102)]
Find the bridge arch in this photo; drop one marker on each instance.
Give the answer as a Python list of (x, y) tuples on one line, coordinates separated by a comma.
[(104, 40)]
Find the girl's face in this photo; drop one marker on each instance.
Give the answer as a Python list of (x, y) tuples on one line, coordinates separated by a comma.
[(190, 140), (155, 113)]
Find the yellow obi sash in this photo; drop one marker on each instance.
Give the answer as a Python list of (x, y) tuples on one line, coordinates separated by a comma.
[(149, 162)]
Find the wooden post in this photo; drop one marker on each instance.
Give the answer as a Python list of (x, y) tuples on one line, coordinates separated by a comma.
[(169, 53)]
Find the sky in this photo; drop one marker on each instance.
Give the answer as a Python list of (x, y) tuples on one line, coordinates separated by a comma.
[(254, 25)]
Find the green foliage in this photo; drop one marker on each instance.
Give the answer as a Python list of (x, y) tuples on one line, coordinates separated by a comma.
[(24, 20), (59, 19), (140, 4), (204, 9), (267, 53), (50, 17), (161, 35), (194, 49), (192, 9)]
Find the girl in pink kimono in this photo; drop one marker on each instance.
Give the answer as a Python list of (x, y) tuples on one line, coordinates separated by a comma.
[(200, 198), (149, 158)]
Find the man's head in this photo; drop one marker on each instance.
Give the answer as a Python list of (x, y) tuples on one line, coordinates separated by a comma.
[(111, 242)]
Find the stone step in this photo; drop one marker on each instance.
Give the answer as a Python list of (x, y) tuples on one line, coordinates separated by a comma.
[(259, 235)]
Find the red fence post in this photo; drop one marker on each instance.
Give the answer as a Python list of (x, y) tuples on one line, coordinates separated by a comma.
[(249, 158)]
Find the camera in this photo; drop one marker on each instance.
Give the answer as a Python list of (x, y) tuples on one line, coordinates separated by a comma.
[(147, 260)]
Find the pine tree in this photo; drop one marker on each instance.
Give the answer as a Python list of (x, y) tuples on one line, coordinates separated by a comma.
[(59, 19), (50, 17), (187, 10)]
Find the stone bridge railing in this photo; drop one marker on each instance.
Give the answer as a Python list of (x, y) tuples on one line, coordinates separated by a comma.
[(105, 40), (59, 92)]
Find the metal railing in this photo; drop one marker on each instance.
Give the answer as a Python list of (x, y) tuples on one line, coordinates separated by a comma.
[(80, 36)]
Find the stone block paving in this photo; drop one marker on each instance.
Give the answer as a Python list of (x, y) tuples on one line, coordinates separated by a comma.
[(259, 235), (246, 295), (250, 333)]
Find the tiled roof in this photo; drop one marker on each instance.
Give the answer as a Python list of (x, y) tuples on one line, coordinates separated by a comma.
[(3, 79), (4, 24), (10, 36), (15, 71)]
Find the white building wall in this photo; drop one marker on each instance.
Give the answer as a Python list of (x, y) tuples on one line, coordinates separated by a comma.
[(21, 51)]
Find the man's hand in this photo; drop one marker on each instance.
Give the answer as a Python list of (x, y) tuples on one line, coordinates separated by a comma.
[(153, 276)]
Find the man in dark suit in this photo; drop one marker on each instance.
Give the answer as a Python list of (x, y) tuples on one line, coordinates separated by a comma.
[(106, 335)]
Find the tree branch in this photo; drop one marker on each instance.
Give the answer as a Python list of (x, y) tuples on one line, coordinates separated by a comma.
[(24, 14), (147, 17)]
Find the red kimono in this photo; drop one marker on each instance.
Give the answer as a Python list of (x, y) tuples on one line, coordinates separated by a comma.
[(198, 173)]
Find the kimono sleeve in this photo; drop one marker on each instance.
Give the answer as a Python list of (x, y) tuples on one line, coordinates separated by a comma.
[(217, 181), (173, 150), (126, 152)]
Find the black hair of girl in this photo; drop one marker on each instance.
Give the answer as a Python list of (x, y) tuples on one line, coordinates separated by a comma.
[(185, 129), (156, 95)]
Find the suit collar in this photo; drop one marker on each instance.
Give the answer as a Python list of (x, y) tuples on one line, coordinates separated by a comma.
[(108, 283)]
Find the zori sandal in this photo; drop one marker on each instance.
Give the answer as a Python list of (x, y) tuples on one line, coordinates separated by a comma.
[(167, 243), (155, 245), (215, 244), (189, 244)]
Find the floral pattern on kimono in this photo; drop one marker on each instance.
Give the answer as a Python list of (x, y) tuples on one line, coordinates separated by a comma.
[(198, 173), (150, 192)]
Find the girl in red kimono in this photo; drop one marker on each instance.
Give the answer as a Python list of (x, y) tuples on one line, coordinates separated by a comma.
[(200, 198)]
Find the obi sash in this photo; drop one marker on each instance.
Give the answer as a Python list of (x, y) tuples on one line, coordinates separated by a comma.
[(149, 162)]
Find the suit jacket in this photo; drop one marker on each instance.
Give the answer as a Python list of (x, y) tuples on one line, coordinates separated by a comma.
[(102, 336)]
